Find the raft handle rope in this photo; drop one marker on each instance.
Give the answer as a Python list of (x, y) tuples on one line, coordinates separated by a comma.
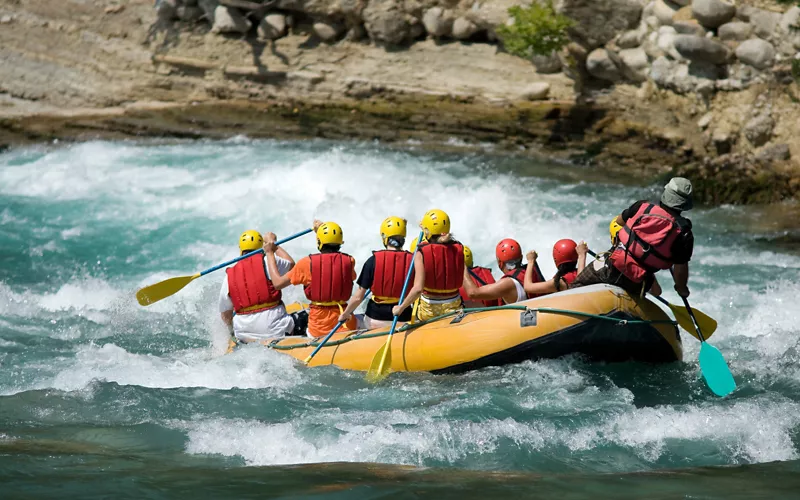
[(464, 312)]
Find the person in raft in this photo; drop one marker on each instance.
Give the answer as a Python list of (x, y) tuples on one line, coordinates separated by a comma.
[(480, 276), (248, 291), (384, 274), (510, 288), (570, 259), (327, 278), (653, 237), (438, 270)]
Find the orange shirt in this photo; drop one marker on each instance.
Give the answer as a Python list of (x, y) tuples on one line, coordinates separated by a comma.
[(321, 319)]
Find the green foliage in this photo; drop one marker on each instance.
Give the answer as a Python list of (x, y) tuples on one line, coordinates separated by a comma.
[(537, 30)]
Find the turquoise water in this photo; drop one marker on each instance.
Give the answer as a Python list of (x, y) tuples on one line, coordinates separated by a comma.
[(99, 395)]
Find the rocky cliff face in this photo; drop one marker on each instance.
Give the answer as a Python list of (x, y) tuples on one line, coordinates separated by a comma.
[(702, 87)]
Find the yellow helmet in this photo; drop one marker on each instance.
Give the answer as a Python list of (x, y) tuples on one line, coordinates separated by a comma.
[(468, 257), (392, 226), (613, 230), (250, 240), (435, 222), (329, 233)]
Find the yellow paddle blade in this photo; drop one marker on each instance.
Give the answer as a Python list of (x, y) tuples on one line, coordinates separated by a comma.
[(708, 325), (163, 289), (381, 363)]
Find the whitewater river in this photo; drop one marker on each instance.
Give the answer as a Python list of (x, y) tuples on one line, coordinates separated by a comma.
[(99, 396)]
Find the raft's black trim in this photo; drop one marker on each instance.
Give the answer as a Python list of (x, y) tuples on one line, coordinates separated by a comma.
[(595, 338)]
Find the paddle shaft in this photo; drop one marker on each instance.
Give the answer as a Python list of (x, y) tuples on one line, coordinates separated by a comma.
[(328, 336), (260, 250), (689, 309), (405, 284)]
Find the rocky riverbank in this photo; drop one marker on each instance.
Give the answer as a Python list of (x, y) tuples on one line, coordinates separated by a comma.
[(703, 88)]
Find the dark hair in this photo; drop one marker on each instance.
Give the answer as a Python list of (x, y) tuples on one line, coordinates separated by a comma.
[(442, 238), (565, 268), (330, 248), (395, 241)]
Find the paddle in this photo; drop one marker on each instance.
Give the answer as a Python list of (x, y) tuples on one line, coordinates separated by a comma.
[(335, 328), (706, 322), (382, 361), (171, 286), (712, 364)]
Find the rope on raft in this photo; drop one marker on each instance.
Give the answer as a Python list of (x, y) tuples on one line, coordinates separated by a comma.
[(412, 326)]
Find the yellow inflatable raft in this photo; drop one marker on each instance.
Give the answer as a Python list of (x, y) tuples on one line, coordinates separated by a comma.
[(600, 321)]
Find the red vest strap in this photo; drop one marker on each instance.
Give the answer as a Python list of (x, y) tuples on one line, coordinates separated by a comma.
[(249, 288), (486, 278), (519, 275)]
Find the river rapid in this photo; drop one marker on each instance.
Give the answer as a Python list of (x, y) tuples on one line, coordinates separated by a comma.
[(99, 396)]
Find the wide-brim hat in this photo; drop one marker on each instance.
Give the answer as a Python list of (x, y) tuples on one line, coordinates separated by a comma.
[(678, 194)]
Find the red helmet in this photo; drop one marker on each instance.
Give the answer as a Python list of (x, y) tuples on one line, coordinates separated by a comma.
[(508, 250), (565, 251)]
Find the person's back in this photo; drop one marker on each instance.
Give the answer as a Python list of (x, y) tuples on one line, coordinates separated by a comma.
[(248, 302), (569, 258), (509, 288), (653, 237), (327, 279), (439, 270), (384, 274)]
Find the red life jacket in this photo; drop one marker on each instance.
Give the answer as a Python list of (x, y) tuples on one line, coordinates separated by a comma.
[(391, 268), (568, 278), (645, 243), (519, 275), (484, 278), (331, 279), (444, 268), (249, 288)]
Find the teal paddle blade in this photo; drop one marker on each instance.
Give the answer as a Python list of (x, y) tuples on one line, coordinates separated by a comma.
[(715, 370)]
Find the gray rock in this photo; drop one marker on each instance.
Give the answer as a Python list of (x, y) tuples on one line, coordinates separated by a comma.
[(536, 91), (386, 22), (598, 22), (723, 140), (735, 30), (272, 27), (327, 31), (167, 10), (634, 64), (697, 48), (764, 22), (415, 29), (790, 19), (689, 28), (190, 14), (682, 3), (6, 19), (758, 53), (744, 12), (227, 20), (664, 11), (705, 121), (547, 64), (437, 22), (759, 129), (600, 65), (713, 13), (209, 7), (463, 28), (773, 153), (631, 39), (356, 33)]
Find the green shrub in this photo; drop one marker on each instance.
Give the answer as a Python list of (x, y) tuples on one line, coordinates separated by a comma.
[(537, 30)]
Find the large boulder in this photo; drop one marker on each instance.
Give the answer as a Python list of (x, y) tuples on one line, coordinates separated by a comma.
[(735, 31), (227, 20), (599, 21), (387, 22), (634, 64), (272, 27), (759, 130), (696, 48), (547, 64), (536, 91), (328, 31), (437, 22), (664, 10), (758, 53), (713, 13), (764, 22), (600, 64), (463, 28)]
